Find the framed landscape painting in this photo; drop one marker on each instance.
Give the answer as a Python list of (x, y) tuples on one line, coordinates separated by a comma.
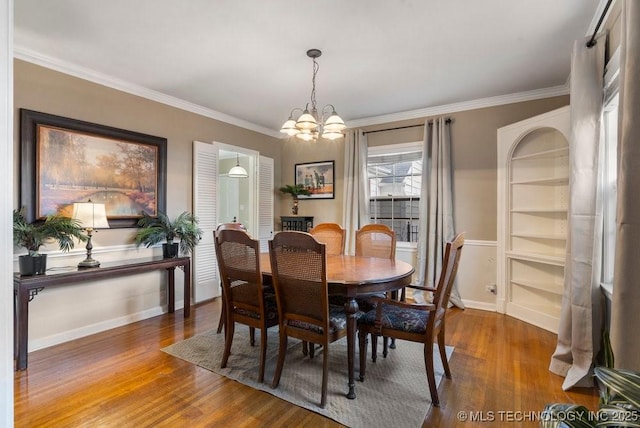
[(317, 178), (65, 161)]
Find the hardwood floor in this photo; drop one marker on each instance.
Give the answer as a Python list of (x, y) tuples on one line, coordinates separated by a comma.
[(121, 378)]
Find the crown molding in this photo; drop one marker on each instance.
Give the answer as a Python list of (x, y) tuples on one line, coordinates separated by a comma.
[(462, 106), (65, 67)]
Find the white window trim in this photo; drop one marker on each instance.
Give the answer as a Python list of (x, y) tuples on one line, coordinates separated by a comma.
[(611, 89), (395, 148)]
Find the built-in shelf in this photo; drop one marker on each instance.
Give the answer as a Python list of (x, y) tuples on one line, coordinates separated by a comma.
[(545, 181), (537, 258), (533, 199), (555, 236), (553, 153), (539, 210), (539, 286)]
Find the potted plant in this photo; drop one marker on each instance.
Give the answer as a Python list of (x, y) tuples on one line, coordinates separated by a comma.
[(32, 236), (295, 191), (157, 229), (619, 400)]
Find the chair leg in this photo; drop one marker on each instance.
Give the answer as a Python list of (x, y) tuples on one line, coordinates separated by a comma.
[(443, 353), (305, 348), (252, 336), (325, 376), (312, 350), (228, 339), (282, 350), (431, 377), (263, 353), (385, 346), (222, 317), (362, 337), (374, 347)]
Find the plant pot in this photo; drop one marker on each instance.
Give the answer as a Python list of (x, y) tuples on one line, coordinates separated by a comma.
[(32, 265), (294, 208), (170, 251)]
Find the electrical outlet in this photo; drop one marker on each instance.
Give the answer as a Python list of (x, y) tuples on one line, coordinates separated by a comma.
[(491, 288)]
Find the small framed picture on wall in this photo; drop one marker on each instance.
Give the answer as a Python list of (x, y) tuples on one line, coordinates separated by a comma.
[(317, 178)]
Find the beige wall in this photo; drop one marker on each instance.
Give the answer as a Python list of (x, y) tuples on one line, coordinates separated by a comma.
[(55, 315), (474, 156), (44, 90)]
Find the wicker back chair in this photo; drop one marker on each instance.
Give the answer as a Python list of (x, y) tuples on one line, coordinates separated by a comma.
[(332, 235), (417, 323), (376, 240), (299, 270), (233, 226), (245, 301)]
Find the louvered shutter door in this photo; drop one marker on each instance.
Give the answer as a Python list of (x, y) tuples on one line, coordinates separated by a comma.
[(265, 202), (205, 190)]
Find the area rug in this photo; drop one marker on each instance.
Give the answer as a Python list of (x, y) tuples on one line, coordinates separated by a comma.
[(394, 393)]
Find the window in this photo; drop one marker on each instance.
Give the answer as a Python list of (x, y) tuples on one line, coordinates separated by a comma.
[(610, 121), (395, 181), (610, 171)]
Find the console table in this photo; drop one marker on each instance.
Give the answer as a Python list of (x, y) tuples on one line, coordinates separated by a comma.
[(26, 288), (302, 224)]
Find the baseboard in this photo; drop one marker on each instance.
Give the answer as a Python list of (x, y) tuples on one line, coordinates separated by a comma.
[(485, 306), (66, 336)]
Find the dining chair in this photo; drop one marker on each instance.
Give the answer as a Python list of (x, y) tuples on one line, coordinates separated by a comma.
[(332, 235), (223, 226), (244, 297), (376, 240), (422, 323), (299, 272)]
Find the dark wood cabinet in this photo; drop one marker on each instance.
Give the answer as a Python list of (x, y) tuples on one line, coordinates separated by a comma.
[(299, 223)]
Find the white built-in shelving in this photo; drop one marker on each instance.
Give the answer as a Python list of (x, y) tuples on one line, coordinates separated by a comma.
[(533, 197)]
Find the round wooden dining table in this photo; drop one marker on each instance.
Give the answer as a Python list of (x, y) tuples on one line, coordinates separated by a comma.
[(355, 276)]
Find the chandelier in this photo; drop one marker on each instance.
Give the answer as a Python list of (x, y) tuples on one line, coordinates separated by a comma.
[(311, 123)]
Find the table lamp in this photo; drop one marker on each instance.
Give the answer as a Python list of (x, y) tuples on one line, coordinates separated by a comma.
[(91, 216)]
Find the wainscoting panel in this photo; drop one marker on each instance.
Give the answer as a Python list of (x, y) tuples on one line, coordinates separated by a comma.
[(477, 274)]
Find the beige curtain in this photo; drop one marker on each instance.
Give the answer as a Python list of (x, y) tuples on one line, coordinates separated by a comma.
[(580, 317), (436, 225), (356, 196), (625, 311)]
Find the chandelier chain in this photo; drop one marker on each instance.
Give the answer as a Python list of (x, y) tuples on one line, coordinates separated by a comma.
[(316, 67)]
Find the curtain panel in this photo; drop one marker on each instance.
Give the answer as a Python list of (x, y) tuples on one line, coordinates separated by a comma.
[(436, 225), (625, 310), (356, 196), (580, 316)]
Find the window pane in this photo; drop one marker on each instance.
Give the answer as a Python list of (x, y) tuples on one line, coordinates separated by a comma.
[(395, 181), (610, 190)]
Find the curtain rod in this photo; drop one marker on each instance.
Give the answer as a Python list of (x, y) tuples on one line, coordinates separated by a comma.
[(447, 120), (591, 43)]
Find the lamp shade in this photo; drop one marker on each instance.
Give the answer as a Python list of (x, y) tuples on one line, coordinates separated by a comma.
[(289, 127), (238, 171), (334, 123), (307, 121), (90, 215)]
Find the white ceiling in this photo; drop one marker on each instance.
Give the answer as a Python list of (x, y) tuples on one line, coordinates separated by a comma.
[(244, 61)]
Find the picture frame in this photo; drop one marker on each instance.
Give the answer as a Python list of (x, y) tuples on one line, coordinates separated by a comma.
[(317, 177), (65, 160)]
